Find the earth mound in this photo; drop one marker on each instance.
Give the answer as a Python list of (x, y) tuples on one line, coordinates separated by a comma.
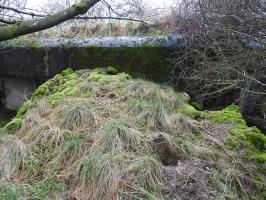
[(102, 135)]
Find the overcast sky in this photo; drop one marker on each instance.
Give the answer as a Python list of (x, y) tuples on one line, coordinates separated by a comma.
[(153, 3)]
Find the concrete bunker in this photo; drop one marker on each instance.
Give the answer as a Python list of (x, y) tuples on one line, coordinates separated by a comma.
[(25, 64)]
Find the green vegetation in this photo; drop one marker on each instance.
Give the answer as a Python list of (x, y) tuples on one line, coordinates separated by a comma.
[(80, 6), (150, 61), (10, 192), (241, 135), (111, 70), (14, 124), (137, 61), (22, 42), (3, 122), (103, 135)]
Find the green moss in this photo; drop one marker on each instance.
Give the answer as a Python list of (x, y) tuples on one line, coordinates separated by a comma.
[(148, 62), (96, 76), (188, 110), (14, 124), (61, 86), (23, 42), (101, 76), (81, 6), (68, 71), (55, 90), (248, 142), (36, 46), (241, 135), (23, 110), (111, 70), (231, 114), (42, 90)]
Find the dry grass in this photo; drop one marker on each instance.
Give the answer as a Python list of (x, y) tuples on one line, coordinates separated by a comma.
[(103, 29), (12, 154), (113, 145)]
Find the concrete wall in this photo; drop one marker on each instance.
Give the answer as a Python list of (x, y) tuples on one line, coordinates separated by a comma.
[(15, 91), (23, 63), (42, 59)]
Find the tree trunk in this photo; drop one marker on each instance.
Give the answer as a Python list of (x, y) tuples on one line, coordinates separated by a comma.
[(30, 26)]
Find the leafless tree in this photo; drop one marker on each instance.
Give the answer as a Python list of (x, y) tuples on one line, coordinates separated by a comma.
[(134, 9), (226, 49), (15, 19), (12, 28), (227, 38), (11, 14)]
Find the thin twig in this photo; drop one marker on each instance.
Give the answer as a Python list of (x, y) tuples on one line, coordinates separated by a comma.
[(21, 12)]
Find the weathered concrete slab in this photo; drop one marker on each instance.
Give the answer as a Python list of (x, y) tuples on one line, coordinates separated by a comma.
[(42, 59)]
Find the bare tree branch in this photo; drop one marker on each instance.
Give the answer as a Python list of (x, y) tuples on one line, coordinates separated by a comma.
[(115, 18), (31, 26), (20, 11), (5, 21)]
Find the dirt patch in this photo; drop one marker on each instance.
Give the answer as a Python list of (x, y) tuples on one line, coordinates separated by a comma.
[(190, 179), (220, 131)]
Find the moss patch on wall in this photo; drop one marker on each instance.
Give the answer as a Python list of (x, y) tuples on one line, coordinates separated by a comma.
[(147, 61), (43, 62)]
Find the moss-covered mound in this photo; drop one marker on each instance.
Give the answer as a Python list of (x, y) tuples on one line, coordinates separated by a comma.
[(89, 135)]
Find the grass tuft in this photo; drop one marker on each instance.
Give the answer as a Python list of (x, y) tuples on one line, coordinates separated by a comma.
[(76, 116)]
